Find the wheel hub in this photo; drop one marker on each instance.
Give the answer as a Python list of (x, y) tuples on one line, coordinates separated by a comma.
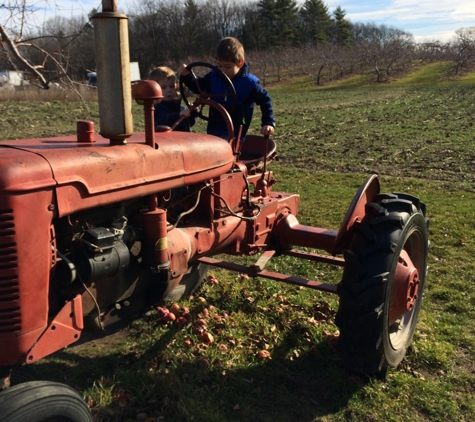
[(405, 288)]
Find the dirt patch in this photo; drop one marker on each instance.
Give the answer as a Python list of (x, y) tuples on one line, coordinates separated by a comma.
[(94, 344)]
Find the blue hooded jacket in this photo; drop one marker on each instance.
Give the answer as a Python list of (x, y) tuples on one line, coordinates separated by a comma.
[(248, 93), (168, 112)]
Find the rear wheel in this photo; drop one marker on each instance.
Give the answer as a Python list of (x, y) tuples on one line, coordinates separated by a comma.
[(43, 401), (382, 284)]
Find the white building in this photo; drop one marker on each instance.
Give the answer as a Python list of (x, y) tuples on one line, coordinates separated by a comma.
[(12, 77)]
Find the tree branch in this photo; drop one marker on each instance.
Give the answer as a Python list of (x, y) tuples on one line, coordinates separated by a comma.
[(24, 64)]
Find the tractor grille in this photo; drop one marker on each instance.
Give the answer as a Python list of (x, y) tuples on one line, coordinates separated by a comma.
[(10, 316)]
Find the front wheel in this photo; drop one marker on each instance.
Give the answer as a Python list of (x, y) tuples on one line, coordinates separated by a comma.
[(43, 401), (382, 284), (20, 374), (191, 281)]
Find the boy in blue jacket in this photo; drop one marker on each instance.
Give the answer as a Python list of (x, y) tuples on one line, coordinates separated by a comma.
[(230, 60)]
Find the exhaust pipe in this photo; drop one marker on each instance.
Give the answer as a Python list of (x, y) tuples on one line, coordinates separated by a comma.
[(111, 39)]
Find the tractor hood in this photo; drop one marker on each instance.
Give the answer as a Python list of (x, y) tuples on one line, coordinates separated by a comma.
[(92, 174)]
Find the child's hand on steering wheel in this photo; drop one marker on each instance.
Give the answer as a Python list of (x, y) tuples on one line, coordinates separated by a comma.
[(185, 112), (182, 70)]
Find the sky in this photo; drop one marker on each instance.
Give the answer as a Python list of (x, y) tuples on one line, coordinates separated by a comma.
[(427, 20)]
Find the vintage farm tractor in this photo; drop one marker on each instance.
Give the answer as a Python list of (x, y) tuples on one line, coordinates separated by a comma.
[(91, 231)]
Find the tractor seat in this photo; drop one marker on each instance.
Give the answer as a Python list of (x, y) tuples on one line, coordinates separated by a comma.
[(253, 150)]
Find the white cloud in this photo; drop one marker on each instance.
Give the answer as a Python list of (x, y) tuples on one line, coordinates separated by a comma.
[(425, 19)]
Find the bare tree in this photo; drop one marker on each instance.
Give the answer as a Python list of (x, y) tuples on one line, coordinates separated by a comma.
[(463, 49), (148, 33), (387, 50), (171, 31), (259, 64), (225, 17), (430, 51), (319, 59), (45, 51)]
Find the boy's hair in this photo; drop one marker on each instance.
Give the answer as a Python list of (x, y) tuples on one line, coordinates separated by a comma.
[(161, 72), (230, 49)]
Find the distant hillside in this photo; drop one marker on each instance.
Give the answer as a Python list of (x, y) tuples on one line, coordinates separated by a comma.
[(419, 74)]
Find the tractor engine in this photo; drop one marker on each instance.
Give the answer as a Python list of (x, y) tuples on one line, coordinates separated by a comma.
[(104, 254), (102, 230), (72, 218)]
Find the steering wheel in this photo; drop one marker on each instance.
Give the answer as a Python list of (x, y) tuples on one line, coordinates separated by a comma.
[(203, 95)]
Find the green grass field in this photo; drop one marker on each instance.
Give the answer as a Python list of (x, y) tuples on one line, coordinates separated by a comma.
[(417, 133)]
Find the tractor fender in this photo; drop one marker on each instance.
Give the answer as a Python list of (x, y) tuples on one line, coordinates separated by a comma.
[(366, 193)]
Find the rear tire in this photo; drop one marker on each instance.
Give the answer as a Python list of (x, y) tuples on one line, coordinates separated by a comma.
[(369, 341), (43, 401)]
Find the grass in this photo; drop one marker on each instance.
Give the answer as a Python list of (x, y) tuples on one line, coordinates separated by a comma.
[(426, 74), (401, 130), (417, 134), (72, 93)]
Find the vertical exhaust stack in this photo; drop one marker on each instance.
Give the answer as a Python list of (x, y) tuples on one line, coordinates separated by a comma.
[(113, 73)]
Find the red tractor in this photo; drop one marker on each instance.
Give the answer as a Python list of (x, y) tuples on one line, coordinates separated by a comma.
[(92, 231)]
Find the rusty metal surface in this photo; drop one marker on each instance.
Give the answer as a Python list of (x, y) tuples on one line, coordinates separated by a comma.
[(255, 148), (366, 193), (63, 330), (85, 131), (148, 93), (22, 171), (229, 190), (154, 223), (291, 232), (252, 271), (234, 234), (26, 261), (263, 260), (312, 256), (91, 174), (405, 290)]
